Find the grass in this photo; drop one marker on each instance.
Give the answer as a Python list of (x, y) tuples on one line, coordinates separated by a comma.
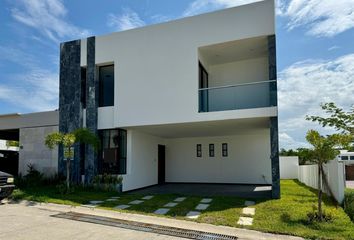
[(287, 215)]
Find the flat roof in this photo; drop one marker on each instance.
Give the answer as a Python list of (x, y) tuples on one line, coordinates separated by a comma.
[(28, 120)]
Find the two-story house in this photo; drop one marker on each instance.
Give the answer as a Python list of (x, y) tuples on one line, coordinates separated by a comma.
[(187, 101)]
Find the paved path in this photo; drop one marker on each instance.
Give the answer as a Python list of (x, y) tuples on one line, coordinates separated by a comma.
[(32, 221), (350, 184)]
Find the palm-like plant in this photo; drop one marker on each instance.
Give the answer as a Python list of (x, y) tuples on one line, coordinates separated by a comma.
[(67, 141)]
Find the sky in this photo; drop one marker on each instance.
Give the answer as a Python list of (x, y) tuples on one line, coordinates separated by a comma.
[(315, 50)]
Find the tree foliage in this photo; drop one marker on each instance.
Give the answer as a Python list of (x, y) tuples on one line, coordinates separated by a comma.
[(304, 154), (338, 118)]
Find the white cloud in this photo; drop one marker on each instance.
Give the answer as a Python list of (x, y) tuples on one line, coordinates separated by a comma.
[(335, 47), (303, 86), (202, 6), (128, 20), (289, 143), (321, 18), (47, 17), (35, 88)]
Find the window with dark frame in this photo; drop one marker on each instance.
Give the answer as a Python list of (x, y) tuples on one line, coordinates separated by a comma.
[(344, 157), (106, 86), (199, 150), (351, 157), (224, 150), (211, 150), (113, 153)]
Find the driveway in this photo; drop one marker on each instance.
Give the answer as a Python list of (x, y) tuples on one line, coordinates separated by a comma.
[(209, 189), (32, 223)]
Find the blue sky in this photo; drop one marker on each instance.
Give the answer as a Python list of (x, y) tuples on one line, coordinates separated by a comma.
[(315, 50)]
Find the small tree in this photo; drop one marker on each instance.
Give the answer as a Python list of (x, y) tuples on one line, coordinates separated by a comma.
[(67, 141), (324, 150), (339, 119)]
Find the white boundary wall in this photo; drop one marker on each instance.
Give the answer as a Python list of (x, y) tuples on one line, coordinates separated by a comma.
[(335, 173), (289, 167)]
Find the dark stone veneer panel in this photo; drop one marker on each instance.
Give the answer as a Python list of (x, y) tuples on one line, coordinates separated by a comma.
[(91, 108), (70, 110), (274, 141)]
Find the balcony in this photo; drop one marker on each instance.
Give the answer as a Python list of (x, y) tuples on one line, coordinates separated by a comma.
[(239, 96)]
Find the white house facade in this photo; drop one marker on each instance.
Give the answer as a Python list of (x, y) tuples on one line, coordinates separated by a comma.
[(188, 101)]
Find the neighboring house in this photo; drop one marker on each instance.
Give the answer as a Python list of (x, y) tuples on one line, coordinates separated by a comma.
[(30, 130), (348, 159), (192, 100)]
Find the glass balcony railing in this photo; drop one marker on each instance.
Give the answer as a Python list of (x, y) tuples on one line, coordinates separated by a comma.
[(240, 96)]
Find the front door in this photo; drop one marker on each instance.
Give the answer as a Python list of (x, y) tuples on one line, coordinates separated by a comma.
[(161, 164)]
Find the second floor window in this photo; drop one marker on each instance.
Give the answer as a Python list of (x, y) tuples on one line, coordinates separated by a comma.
[(106, 86)]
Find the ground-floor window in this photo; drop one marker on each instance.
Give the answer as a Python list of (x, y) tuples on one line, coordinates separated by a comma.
[(112, 158)]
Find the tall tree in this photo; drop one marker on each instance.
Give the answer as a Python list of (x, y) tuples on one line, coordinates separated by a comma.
[(324, 150), (67, 140)]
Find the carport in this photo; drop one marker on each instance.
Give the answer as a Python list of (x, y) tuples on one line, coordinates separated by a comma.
[(9, 157)]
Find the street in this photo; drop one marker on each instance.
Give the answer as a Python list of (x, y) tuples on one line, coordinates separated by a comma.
[(23, 222)]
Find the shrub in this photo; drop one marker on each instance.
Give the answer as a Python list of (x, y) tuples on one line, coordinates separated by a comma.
[(107, 182), (33, 177), (349, 203)]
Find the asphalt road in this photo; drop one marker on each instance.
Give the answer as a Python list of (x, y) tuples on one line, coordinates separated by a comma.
[(24, 222)]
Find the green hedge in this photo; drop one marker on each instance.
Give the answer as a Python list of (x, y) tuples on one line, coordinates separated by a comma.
[(349, 203)]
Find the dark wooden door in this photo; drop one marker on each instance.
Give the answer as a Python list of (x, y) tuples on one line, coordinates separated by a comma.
[(161, 164)]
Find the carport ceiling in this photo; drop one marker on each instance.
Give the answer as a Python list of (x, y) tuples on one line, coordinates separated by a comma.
[(10, 134), (204, 129)]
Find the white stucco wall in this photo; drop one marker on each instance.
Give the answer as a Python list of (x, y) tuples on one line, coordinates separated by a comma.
[(246, 71), (141, 160), (33, 151), (156, 67), (247, 162), (335, 171), (289, 167)]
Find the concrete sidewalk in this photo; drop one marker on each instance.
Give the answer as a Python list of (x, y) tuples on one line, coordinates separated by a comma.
[(240, 233)]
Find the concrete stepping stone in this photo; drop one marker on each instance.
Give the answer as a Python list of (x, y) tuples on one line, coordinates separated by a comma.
[(147, 197), (136, 202), (248, 211), (193, 214), (246, 221), (249, 203), (171, 204), (206, 200), (89, 205), (111, 199), (96, 202), (121, 206), (180, 199), (202, 206), (114, 197), (162, 211)]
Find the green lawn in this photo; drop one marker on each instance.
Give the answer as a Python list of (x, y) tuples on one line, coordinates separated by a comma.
[(287, 215)]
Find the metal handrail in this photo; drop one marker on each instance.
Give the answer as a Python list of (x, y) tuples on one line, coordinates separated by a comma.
[(236, 85)]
